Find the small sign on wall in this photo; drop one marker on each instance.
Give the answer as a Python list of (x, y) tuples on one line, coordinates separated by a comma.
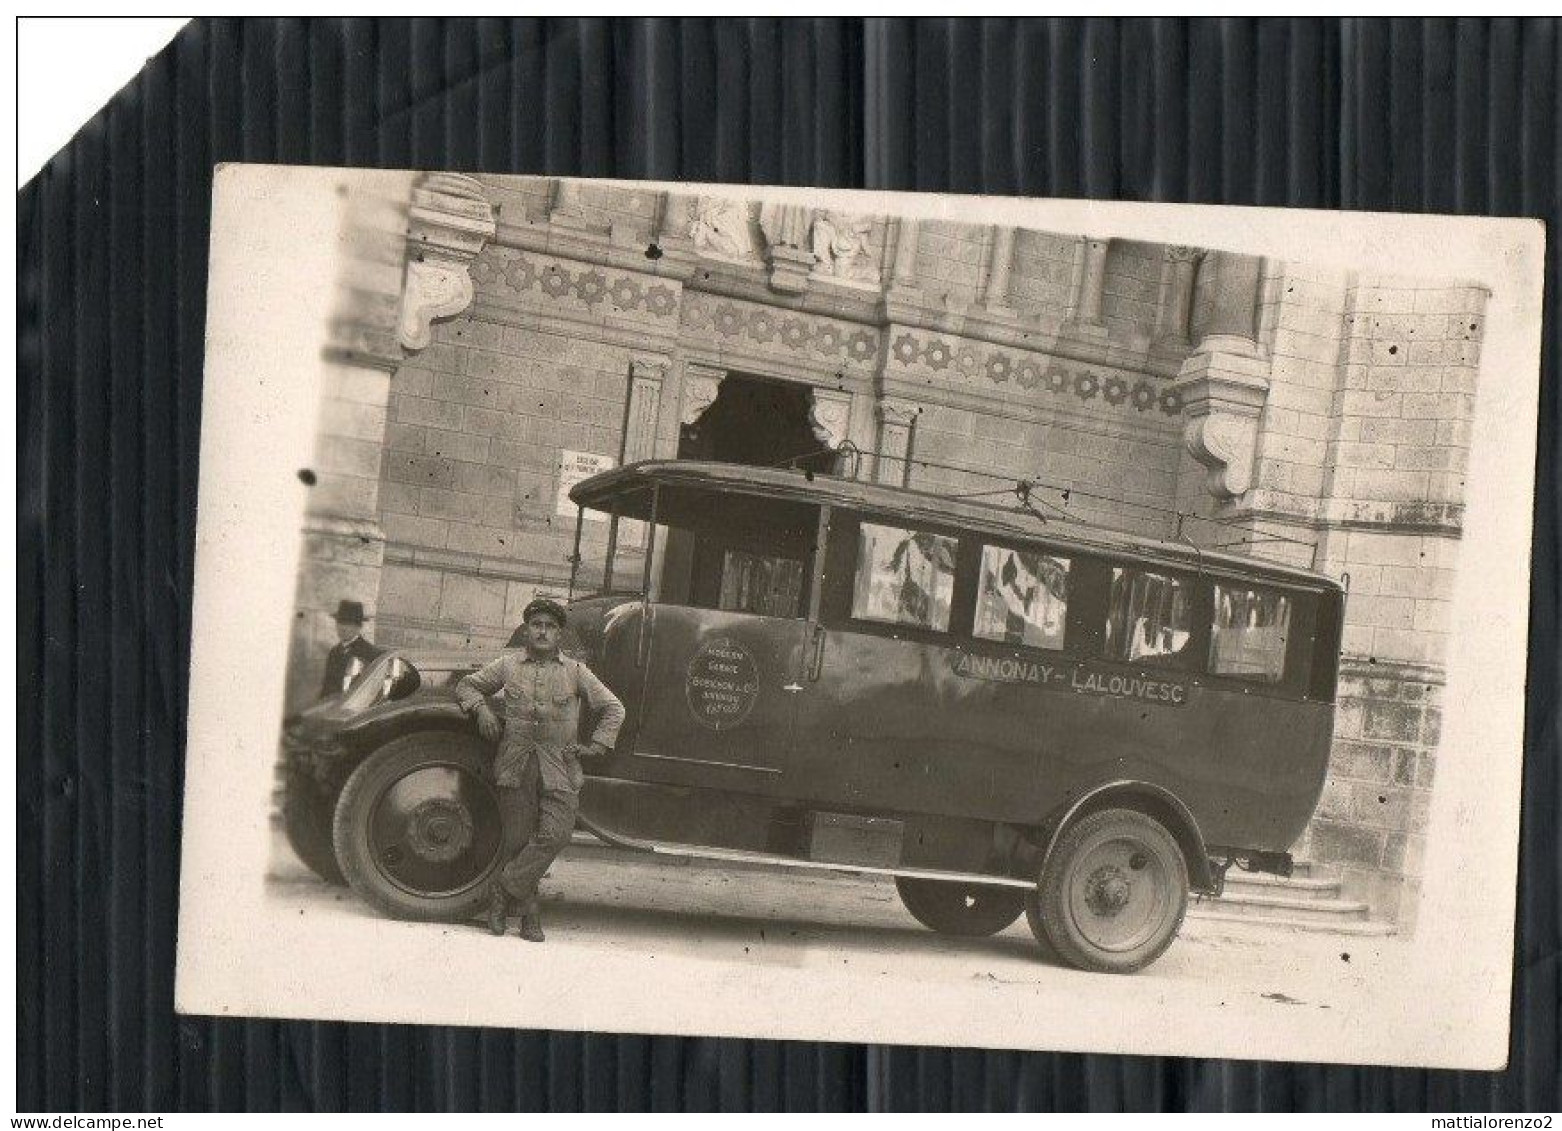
[(573, 468)]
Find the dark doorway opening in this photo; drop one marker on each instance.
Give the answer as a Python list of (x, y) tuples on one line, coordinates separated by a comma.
[(758, 422)]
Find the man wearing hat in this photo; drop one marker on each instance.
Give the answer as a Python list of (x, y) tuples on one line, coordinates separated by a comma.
[(537, 768), (352, 654)]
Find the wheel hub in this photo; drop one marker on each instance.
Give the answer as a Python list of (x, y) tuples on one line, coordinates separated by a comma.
[(439, 830), (1107, 891)]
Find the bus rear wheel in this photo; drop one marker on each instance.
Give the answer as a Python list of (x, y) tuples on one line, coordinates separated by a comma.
[(1112, 893), (418, 829), (968, 910)]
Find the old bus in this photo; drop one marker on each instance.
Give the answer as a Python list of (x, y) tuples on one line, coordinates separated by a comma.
[(1006, 712)]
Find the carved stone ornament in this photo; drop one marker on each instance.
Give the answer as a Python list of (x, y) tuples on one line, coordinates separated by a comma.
[(720, 226), (701, 383), (1223, 387), (843, 249), (449, 222), (830, 417)]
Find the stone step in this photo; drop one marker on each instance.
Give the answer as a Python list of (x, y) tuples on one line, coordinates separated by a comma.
[(1252, 906), (1257, 883), (1212, 911)]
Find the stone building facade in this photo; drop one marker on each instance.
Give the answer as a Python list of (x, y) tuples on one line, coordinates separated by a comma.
[(520, 329)]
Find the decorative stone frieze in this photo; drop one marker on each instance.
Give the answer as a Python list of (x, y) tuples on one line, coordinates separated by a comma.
[(449, 222), (966, 362), (530, 277), (766, 329)]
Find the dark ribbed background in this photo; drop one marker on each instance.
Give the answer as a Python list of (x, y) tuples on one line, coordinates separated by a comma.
[(1427, 116)]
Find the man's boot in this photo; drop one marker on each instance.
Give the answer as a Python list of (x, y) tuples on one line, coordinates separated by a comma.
[(531, 922), (498, 908)]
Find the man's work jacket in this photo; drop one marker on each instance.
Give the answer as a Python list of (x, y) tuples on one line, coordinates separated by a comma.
[(542, 699)]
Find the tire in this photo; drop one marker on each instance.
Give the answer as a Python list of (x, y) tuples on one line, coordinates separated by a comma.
[(1112, 893), (308, 810), (417, 828), (967, 910)]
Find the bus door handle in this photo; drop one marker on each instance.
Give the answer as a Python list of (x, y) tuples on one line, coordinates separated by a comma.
[(816, 660)]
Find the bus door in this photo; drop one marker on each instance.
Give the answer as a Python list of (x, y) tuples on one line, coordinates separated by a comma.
[(724, 662)]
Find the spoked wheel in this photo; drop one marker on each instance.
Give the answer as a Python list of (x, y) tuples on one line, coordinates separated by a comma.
[(971, 910), (418, 829), (1112, 893)]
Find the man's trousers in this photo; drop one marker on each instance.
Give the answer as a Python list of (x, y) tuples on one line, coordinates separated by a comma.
[(537, 826)]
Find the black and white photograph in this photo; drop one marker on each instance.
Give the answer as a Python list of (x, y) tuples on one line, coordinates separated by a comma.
[(680, 608)]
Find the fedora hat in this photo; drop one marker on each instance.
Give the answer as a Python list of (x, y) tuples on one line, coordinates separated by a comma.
[(349, 612)]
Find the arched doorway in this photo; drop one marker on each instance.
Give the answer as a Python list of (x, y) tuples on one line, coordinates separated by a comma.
[(760, 422)]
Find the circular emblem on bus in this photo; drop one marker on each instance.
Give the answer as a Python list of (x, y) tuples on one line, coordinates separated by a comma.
[(723, 683)]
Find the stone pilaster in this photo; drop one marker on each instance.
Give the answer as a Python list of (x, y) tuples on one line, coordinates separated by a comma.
[(897, 425), (905, 271), (646, 378), (995, 295), (1174, 316), (1091, 276), (567, 210)]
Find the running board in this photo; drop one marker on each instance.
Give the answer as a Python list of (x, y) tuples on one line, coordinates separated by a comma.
[(774, 860)]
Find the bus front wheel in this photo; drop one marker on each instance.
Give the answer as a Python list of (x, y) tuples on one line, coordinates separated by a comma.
[(1112, 894), (418, 827), (969, 910)]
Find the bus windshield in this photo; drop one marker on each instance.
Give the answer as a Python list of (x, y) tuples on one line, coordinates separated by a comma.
[(708, 549)]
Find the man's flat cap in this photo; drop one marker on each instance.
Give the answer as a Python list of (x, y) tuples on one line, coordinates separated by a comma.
[(544, 606)]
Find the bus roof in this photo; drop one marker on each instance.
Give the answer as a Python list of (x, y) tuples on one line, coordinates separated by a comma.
[(599, 491)]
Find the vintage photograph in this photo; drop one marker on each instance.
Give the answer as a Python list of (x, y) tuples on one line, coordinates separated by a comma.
[(672, 608)]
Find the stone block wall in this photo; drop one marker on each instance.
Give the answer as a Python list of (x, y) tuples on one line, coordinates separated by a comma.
[(1042, 281), (950, 258), (472, 473), (1130, 292), (1371, 822)]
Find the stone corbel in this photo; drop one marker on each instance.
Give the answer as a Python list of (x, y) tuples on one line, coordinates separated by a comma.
[(829, 416), (1223, 387), (449, 222), (701, 384)]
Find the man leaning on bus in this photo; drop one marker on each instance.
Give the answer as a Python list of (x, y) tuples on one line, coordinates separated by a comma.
[(537, 768)]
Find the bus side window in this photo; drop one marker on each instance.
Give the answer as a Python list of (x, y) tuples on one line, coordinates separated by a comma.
[(1022, 597), (1249, 633), (904, 576), (1149, 618)]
